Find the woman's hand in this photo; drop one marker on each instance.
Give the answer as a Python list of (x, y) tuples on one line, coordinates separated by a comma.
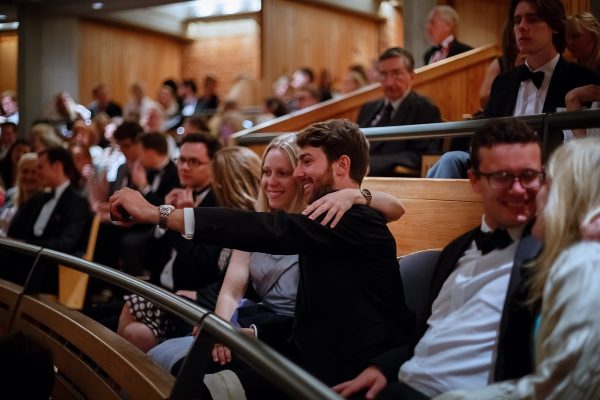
[(334, 205), (221, 354)]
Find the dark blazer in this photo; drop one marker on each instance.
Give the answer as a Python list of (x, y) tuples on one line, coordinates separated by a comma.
[(454, 48), (528, 247), (384, 156), (350, 303), (196, 264), (67, 229), (566, 76), (122, 180), (168, 181)]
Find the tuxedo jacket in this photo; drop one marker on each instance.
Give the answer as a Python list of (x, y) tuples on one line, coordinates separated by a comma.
[(385, 155), (566, 76), (168, 181), (350, 302), (517, 316), (196, 264), (454, 48), (67, 229)]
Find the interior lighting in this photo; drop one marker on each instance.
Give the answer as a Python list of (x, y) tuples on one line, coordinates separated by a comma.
[(97, 6), (232, 6), (206, 8)]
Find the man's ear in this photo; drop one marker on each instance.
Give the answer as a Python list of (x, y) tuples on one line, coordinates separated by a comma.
[(474, 181), (342, 166)]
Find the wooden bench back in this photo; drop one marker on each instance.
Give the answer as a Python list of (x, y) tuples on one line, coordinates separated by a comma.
[(437, 210), (92, 361), (9, 297)]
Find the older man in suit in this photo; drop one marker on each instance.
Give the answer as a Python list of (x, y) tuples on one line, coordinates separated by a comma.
[(441, 31), (58, 219), (400, 106), (476, 283)]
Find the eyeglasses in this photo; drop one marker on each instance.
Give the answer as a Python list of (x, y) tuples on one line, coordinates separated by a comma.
[(191, 162), (529, 179)]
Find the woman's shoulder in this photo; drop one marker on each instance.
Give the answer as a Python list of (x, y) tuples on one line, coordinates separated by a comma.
[(580, 256)]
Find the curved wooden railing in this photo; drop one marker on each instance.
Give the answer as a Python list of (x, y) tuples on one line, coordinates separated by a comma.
[(460, 77)]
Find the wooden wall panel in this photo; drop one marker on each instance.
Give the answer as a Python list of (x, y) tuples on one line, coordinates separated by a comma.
[(8, 61), (119, 57), (224, 56), (296, 34), (481, 21), (575, 6)]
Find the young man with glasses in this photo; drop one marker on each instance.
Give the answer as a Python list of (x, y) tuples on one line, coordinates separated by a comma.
[(478, 330)]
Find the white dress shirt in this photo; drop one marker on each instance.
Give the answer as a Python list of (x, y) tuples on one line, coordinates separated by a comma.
[(48, 209), (457, 348), (530, 99)]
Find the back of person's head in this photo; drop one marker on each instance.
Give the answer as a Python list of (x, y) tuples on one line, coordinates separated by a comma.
[(286, 144), (190, 84), (212, 144), (580, 24), (26, 368), (171, 84), (43, 136), (401, 52), (128, 130), (63, 156), (308, 72), (572, 199), (196, 124), (550, 11), (446, 14), (9, 125), (236, 177), (504, 131), (276, 106), (155, 141), (338, 137)]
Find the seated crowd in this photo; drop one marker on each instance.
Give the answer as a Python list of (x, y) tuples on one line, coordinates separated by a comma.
[(291, 249)]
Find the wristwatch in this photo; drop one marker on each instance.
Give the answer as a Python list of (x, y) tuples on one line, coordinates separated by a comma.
[(367, 195), (163, 215)]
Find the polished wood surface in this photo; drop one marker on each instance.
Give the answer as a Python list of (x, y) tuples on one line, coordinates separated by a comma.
[(437, 210), (296, 34), (120, 57), (8, 61), (9, 295)]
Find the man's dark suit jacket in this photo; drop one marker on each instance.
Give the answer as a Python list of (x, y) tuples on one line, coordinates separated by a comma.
[(350, 303), (67, 229), (414, 109), (454, 48), (519, 336), (566, 76)]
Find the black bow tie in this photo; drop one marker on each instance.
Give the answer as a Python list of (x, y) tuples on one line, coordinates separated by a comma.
[(525, 74), (488, 241)]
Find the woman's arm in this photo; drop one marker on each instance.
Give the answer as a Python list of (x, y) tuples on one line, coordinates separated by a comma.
[(336, 204), (234, 284), (486, 86)]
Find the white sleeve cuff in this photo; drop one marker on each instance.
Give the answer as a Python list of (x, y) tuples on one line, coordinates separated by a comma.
[(255, 329), (189, 223)]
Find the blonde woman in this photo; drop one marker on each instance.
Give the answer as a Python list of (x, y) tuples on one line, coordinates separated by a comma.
[(583, 39), (565, 280)]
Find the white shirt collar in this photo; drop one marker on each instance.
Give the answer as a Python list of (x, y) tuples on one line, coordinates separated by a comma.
[(60, 189), (547, 68), (396, 104), (446, 42)]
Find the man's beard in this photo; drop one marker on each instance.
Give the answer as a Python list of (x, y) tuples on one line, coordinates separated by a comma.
[(322, 186)]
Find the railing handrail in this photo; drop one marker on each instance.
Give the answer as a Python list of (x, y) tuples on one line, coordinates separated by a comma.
[(274, 367), (543, 122)]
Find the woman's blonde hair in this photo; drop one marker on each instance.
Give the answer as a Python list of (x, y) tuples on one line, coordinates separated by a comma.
[(236, 177), (586, 22), (287, 145), (20, 197), (573, 198)]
